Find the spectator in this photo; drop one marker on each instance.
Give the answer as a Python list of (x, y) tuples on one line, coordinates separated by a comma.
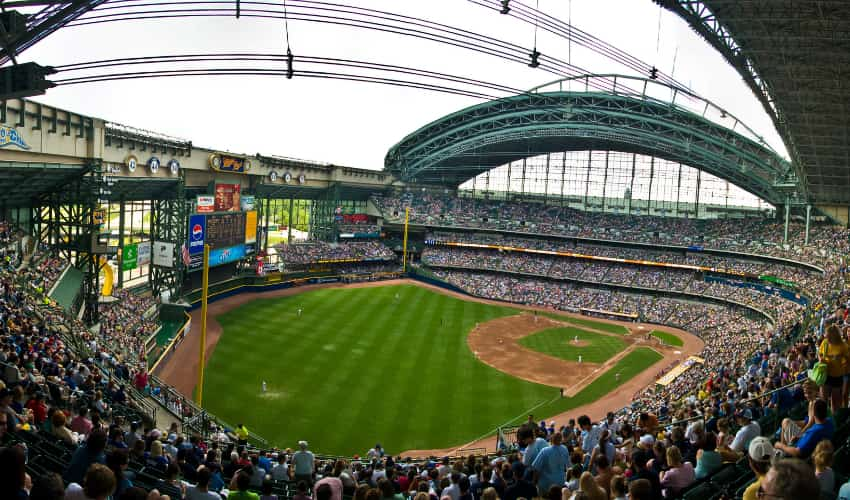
[(822, 429), (90, 452), (589, 488), (14, 480), (835, 352), (618, 488), (640, 471), (708, 460), (642, 489), (551, 464), (240, 485), (303, 462), (749, 430), (201, 489), (759, 456), (98, 484), (822, 459), (48, 486), (118, 460), (789, 479), (679, 475)]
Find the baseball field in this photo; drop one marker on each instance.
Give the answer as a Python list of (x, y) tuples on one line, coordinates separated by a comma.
[(348, 367)]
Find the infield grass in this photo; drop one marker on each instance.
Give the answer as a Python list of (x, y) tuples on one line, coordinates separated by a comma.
[(359, 366), (589, 323), (559, 342), (636, 361), (667, 338)]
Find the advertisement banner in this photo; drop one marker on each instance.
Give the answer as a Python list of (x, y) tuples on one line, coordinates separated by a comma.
[(163, 254), (205, 203), (227, 197), (355, 218), (247, 202), (128, 257), (197, 230), (220, 256), (251, 226), (143, 253)]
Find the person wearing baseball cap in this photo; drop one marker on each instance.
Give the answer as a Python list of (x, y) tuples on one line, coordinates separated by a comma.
[(749, 430), (759, 455)]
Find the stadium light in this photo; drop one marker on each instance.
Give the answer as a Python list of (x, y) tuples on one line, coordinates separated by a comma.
[(534, 62), (24, 80)]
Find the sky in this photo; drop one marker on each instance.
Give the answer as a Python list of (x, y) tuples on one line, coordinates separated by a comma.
[(354, 124)]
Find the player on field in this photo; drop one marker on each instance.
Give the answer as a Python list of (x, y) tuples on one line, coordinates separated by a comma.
[(264, 386)]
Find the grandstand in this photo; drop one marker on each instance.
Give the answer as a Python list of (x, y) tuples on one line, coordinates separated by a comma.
[(605, 283)]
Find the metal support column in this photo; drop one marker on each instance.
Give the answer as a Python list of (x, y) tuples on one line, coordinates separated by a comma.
[(632, 185), (120, 261), (289, 224), (587, 178), (808, 221), (787, 218)]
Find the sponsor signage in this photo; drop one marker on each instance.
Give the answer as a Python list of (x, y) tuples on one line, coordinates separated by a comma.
[(227, 163), (227, 197), (197, 231), (205, 203), (251, 226), (144, 253), (247, 202), (163, 254), (129, 255), (219, 256), (11, 137)]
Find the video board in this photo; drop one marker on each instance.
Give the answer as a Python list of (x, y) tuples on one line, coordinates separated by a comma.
[(225, 230)]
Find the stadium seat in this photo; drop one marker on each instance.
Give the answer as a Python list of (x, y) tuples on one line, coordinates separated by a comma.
[(841, 462), (702, 491)]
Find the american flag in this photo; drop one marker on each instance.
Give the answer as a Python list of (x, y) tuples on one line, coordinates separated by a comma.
[(184, 251)]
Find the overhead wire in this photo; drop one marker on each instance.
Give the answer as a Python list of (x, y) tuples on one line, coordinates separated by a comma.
[(313, 11)]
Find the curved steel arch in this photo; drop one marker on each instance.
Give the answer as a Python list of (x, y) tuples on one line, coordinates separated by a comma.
[(465, 143)]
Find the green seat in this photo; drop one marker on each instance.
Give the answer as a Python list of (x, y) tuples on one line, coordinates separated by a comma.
[(841, 462), (701, 491), (725, 476), (739, 493)]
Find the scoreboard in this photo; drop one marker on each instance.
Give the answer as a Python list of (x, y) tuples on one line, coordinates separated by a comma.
[(225, 230)]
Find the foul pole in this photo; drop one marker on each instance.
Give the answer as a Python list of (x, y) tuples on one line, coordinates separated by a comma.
[(204, 293), (404, 247)]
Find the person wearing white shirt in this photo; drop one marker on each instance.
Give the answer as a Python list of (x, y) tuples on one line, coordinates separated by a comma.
[(746, 433), (453, 490)]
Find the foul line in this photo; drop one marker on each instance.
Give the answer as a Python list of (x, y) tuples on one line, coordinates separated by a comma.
[(506, 423)]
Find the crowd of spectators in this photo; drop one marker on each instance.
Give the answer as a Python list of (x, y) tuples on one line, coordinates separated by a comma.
[(604, 272), (63, 405), (126, 323), (751, 235), (316, 251)]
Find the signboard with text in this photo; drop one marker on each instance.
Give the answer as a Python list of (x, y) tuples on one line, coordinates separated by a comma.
[(227, 197)]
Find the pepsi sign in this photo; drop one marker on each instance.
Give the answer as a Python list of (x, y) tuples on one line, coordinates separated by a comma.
[(197, 230)]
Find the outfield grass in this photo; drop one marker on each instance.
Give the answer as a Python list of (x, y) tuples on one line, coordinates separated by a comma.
[(667, 338), (633, 363), (558, 342), (358, 367), (589, 323)]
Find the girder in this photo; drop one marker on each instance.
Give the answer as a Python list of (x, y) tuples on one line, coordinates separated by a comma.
[(795, 56), (493, 133)]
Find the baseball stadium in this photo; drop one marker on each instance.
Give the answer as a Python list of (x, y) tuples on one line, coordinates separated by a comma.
[(569, 274)]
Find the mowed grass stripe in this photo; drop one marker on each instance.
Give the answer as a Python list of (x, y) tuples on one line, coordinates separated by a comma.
[(359, 367), (560, 342), (667, 338)]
